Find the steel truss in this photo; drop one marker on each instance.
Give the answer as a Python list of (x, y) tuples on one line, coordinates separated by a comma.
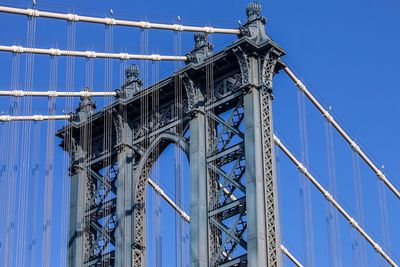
[(233, 197)]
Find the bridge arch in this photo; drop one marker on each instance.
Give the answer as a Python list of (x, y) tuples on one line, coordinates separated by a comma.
[(140, 176)]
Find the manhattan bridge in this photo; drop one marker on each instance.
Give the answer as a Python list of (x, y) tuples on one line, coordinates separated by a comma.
[(207, 125)]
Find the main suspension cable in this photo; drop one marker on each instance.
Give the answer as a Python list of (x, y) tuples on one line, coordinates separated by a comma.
[(116, 22), (334, 202), (21, 93), (87, 54), (7, 118), (342, 132), (186, 217), (290, 256)]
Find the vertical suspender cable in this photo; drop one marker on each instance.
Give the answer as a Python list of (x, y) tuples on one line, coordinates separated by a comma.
[(107, 134), (213, 183), (359, 250), (69, 87), (11, 165), (179, 224), (156, 171), (305, 191), (25, 149), (34, 188), (331, 214), (145, 121), (3, 183), (32, 241), (49, 175), (86, 138)]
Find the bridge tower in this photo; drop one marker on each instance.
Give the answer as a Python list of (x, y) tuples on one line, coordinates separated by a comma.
[(227, 114)]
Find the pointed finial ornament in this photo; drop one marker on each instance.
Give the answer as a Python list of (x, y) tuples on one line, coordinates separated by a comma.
[(132, 83), (253, 10), (86, 107), (254, 29), (202, 49)]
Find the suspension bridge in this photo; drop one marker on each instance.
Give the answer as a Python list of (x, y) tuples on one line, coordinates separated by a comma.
[(179, 168)]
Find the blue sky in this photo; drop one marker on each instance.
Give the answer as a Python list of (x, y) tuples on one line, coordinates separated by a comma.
[(345, 51)]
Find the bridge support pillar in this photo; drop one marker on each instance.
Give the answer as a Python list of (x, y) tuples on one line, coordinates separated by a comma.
[(256, 239), (263, 242), (123, 234), (76, 252), (198, 191)]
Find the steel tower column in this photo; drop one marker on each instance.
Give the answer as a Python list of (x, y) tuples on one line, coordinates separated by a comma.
[(198, 185), (77, 206), (258, 66), (123, 234), (77, 148)]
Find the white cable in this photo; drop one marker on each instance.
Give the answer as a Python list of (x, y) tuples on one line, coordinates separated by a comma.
[(7, 118), (169, 200), (118, 22), (290, 256), (88, 54), (20, 93), (333, 201), (187, 219), (342, 132)]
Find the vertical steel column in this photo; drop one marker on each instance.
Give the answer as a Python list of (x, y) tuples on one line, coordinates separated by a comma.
[(255, 204), (270, 180), (77, 206), (123, 234), (263, 241), (198, 188)]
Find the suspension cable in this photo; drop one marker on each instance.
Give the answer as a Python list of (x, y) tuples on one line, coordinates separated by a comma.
[(20, 93), (186, 217), (169, 200), (342, 132), (87, 54), (6, 118), (117, 22), (290, 256), (333, 201)]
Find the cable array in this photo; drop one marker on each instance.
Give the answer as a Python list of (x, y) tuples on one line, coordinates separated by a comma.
[(342, 132), (334, 202)]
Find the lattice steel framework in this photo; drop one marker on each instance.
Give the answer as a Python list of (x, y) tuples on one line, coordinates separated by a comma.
[(233, 196)]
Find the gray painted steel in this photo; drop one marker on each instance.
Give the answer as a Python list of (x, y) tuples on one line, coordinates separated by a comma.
[(233, 196)]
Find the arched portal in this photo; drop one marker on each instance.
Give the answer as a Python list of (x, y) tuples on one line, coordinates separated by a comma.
[(141, 174)]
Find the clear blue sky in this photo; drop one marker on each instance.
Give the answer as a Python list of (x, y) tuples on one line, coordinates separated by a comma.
[(346, 51)]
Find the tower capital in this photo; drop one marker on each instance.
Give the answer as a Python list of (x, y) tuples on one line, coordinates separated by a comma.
[(86, 107), (132, 83), (202, 49), (253, 11), (254, 29)]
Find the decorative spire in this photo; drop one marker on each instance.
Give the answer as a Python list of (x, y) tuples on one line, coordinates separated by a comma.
[(253, 10), (86, 107), (132, 72), (202, 49), (132, 83), (254, 29), (200, 39)]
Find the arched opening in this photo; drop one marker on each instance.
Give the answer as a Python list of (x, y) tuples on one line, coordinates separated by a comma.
[(165, 163)]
